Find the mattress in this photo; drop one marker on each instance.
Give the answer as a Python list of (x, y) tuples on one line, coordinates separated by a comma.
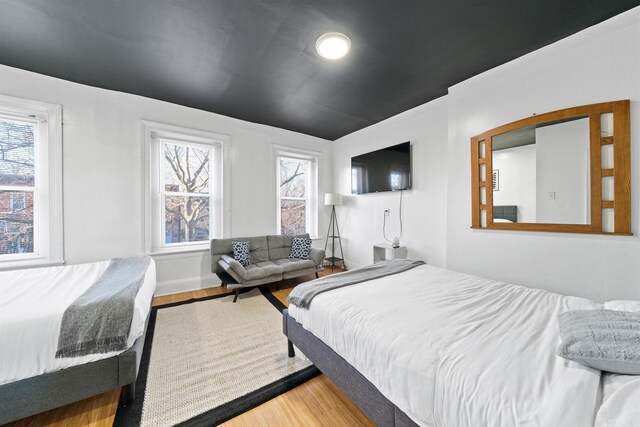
[(32, 303), (450, 349)]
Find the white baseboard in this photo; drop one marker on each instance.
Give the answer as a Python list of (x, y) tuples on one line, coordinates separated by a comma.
[(169, 287)]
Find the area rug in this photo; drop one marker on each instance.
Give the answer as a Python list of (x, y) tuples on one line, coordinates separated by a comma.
[(208, 360)]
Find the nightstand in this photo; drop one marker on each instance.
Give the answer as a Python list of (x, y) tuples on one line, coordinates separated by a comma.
[(384, 252)]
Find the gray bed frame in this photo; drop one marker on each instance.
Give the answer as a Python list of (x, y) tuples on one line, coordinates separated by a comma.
[(20, 399), (352, 383)]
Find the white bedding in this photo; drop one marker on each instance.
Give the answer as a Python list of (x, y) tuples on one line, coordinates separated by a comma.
[(450, 349), (620, 401), (32, 303)]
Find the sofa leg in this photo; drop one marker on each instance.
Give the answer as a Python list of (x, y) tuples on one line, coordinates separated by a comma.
[(317, 276), (291, 350), (235, 297)]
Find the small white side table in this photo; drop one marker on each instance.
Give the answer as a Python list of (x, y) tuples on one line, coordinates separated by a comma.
[(384, 252)]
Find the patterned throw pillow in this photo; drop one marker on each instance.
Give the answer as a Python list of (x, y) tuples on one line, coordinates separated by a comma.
[(241, 252), (300, 247)]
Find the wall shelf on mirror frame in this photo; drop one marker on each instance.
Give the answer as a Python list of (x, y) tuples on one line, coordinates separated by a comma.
[(482, 208)]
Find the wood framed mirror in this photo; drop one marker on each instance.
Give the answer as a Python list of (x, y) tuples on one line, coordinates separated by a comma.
[(565, 171)]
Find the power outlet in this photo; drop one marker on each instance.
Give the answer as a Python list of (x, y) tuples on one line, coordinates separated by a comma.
[(386, 212)]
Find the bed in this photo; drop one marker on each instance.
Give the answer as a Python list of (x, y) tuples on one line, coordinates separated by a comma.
[(32, 305), (433, 347)]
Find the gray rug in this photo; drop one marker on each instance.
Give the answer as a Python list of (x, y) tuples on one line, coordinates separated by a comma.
[(210, 360)]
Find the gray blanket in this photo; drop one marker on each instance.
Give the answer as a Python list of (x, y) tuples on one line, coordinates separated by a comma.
[(98, 321), (302, 295)]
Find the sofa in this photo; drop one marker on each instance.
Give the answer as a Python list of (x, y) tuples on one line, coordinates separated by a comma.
[(270, 261)]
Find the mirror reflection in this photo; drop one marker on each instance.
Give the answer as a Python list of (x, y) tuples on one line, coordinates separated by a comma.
[(541, 173)]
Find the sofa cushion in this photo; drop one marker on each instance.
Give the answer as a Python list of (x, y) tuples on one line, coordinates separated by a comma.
[(263, 269), (300, 247), (294, 264), (241, 252), (258, 249)]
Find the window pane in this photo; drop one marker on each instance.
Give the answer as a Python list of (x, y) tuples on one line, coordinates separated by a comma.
[(186, 219), (186, 169), (292, 179), (16, 222), (293, 216), (16, 153)]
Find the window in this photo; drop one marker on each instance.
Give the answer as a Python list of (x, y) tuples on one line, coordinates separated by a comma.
[(30, 183), (185, 188), (297, 193)]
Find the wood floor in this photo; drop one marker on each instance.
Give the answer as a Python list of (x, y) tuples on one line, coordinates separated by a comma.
[(317, 402)]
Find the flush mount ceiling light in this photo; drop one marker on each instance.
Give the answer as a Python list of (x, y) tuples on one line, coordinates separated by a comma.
[(333, 45)]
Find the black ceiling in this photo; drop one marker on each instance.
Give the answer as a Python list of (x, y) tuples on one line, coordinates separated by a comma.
[(256, 60)]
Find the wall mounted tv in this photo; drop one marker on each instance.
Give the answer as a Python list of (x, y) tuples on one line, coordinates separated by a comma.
[(388, 169)]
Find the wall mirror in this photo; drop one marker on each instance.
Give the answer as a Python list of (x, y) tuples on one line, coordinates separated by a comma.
[(564, 171)]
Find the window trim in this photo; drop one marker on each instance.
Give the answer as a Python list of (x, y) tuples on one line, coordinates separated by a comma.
[(313, 157), (153, 134), (48, 212)]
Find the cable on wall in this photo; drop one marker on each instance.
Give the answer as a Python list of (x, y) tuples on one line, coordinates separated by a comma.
[(384, 222)]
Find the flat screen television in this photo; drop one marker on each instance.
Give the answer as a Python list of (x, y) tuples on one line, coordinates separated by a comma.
[(388, 169)]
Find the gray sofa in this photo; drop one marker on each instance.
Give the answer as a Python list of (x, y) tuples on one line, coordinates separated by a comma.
[(270, 261)]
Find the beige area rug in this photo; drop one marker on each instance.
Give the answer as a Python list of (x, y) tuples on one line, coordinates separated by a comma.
[(211, 359)]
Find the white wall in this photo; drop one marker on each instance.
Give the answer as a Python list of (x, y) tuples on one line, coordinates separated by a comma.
[(517, 180), (102, 172), (562, 168), (599, 64), (424, 206)]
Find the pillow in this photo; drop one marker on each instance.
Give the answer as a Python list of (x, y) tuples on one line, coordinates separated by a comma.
[(501, 220), (300, 247), (241, 252), (602, 339), (622, 305)]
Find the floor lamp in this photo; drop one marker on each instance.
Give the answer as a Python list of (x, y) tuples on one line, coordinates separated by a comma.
[(333, 200)]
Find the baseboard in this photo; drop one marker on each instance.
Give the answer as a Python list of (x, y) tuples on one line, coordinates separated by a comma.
[(187, 284)]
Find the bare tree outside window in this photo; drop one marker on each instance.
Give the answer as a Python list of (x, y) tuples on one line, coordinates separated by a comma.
[(186, 193), (293, 195), (17, 179)]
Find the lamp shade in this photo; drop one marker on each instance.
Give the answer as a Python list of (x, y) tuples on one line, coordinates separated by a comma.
[(333, 199)]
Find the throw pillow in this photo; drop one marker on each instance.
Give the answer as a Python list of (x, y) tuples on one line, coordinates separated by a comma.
[(300, 247), (602, 339), (622, 305), (241, 252)]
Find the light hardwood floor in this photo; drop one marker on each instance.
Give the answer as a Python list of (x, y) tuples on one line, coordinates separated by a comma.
[(317, 402)]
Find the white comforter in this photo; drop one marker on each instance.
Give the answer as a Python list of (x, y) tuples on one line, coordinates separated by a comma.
[(32, 303), (450, 349)]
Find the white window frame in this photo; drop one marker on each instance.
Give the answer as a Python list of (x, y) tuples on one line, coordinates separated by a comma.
[(154, 135), (48, 246), (311, 183)]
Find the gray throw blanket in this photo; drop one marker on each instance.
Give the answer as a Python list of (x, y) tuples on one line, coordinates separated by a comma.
[(98, 321), (302, 294)]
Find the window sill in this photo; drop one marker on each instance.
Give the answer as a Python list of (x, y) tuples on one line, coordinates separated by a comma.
[(29, 263), (185, 250)]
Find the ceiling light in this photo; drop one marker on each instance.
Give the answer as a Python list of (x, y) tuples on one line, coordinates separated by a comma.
[(333, 45)]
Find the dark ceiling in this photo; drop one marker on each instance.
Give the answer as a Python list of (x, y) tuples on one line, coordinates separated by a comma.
[(256, 60)]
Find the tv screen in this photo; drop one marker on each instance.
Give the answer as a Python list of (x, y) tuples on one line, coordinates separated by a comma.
[(388, 169)]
